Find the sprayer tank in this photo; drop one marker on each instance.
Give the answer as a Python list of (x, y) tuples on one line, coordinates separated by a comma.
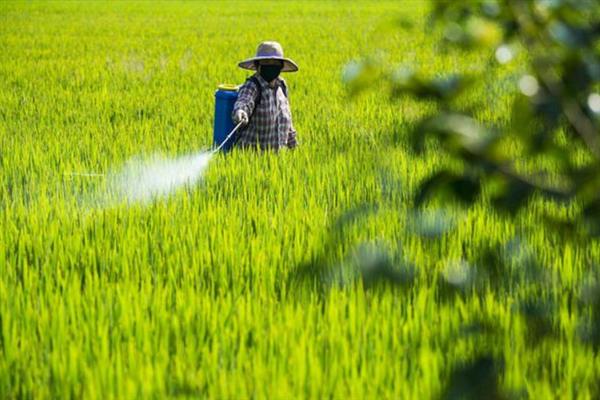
[(225, 98)]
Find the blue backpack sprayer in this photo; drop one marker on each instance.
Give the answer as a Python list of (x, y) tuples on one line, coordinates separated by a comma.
[(224, 131)]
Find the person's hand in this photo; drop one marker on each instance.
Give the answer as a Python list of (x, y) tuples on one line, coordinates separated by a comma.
[(240, 116)]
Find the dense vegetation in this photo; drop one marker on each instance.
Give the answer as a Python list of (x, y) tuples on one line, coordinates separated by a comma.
[(307, 273)]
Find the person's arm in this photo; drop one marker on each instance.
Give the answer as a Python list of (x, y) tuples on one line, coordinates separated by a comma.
[(244, 105), (292, 142)]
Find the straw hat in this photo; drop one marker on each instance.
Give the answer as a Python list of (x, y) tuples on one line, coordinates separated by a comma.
[(269, 51)]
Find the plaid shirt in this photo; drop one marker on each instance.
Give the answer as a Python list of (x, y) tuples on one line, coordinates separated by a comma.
[(270, 125)]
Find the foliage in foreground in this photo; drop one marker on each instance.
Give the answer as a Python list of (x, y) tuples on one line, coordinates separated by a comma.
[(549, 147)]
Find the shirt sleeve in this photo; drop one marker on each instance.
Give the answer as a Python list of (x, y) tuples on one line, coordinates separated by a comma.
[(292, 141), (246, 99)]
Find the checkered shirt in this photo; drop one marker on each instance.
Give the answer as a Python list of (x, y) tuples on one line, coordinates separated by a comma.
[(270, 125)]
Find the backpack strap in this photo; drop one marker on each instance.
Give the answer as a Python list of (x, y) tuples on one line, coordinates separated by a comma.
[(284, 88), (254, 80)]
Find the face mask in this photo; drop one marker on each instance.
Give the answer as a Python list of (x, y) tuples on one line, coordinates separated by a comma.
[(269, 72)]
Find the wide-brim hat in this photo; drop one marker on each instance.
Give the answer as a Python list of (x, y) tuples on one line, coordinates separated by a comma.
[(269, 51)]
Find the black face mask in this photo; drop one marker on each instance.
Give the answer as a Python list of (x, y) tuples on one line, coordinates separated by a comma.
[(269, 72)]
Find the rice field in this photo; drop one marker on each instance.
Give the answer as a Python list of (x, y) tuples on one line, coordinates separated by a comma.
[(251, 283)]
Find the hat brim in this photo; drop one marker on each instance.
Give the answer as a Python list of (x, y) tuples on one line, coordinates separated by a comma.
[(288, 65)]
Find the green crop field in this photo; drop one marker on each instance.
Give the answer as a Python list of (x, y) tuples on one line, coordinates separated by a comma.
[(209, 292)]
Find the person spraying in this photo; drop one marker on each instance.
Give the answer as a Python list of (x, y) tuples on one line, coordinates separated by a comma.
[(262, 106)]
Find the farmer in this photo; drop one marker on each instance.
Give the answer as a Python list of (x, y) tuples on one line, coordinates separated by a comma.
[(262, 105)]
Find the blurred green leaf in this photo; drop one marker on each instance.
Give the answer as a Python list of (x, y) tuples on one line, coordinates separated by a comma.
[(538, 316), (448, 185), (376, 266), (475, 380), (430, 223), (514, 195), (459, 275), (460, 131), (361, 75), (569, 35), (404, 81)]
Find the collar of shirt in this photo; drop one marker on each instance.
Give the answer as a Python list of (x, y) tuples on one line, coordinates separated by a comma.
[(264, 84)]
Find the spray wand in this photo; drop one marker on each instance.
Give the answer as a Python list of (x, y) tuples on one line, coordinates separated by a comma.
[(233, 131)]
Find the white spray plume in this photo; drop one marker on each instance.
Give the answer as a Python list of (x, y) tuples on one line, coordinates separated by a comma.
[(142, 181)]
